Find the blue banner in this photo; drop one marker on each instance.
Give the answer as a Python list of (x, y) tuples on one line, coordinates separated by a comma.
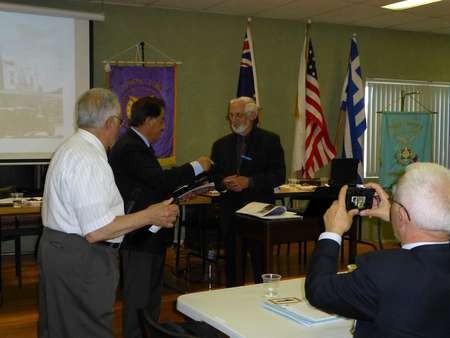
[(406, 137), (133, 82)]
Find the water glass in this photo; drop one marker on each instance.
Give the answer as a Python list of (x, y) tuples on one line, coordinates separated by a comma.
[(17, 198), (271, 284)]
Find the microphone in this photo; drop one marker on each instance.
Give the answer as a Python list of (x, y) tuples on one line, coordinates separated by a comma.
[(135, 194)]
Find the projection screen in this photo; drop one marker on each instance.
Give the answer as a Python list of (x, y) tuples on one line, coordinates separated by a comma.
[(44, 67)]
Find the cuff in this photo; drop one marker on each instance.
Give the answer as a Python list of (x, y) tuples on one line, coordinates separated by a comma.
[(198, 169), (331, 235)]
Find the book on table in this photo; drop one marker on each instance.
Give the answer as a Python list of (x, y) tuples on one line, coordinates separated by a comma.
[(300, 311), (267, 211)]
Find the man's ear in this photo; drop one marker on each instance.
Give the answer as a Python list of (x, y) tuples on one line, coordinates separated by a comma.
[(109, 122), (253, 115)]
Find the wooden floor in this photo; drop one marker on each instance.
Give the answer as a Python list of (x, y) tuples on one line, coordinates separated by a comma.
[(18, 313)]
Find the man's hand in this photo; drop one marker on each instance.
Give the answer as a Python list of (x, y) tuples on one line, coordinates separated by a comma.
[(236, 183), (381, 206), (205, 162), (337, 219), (163, 214)]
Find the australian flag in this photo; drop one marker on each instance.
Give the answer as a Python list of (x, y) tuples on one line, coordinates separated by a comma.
[(247, 85)]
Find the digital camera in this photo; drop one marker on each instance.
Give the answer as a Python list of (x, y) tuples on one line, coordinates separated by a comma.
[(359, 197)]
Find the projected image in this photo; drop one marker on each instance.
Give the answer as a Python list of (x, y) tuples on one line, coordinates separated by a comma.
[(35, 54)]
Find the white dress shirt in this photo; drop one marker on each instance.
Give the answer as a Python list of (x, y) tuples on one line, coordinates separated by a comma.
[(80, 194), (337, 238)]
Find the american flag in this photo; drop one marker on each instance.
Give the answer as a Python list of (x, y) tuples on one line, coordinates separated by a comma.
[(318, 148), (248, 84), (353, 107)]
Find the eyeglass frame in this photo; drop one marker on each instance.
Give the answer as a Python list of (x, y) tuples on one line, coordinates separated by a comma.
[(121, 120), (402, 206)]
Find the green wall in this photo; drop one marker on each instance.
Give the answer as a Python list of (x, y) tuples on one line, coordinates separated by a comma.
[(209, 46)]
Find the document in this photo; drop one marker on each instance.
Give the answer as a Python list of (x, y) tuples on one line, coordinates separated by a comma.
[(299, 310), (187, 191), (267, 211)]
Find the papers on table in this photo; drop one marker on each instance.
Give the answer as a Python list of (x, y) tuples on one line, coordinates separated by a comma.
[(295, 188), (267, 211), (300, 311)]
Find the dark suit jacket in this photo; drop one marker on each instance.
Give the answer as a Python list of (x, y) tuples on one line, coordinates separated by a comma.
[(136, 169), (263, 163), (393, 293)]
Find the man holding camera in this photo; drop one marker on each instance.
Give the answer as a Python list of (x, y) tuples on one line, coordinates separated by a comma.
[(392, 293)]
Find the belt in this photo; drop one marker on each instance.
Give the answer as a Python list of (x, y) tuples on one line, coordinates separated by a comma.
[(109, 244)]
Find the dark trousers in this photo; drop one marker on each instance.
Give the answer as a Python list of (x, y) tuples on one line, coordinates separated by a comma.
[(142, 288), (77, 286)]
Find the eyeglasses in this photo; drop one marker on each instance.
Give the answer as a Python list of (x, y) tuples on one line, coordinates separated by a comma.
[(402, 206), (120, 119), (231, 116)]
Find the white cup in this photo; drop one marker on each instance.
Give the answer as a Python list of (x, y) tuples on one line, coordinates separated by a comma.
[(271, 284), (293, 182)]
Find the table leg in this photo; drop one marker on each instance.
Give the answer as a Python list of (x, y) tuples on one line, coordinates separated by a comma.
[(352, 245), (238, 261), (267, 249)]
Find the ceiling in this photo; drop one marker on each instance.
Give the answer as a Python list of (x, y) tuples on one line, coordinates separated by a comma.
[(434, 18)]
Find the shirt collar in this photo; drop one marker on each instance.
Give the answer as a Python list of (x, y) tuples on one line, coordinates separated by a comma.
[(141, 136), (410, 246), (92, 139)]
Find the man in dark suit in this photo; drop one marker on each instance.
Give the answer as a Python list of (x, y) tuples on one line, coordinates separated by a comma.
[(142, 181), (395, 293), (248, 165)]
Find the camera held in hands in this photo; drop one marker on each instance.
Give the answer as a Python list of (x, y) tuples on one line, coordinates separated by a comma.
[(359, 197)]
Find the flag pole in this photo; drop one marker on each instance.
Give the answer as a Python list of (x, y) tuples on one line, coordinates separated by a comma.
[(252, 52), (340, 126)]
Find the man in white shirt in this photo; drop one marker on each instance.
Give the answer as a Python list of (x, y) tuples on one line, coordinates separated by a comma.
[(84, 223), (395, 293)]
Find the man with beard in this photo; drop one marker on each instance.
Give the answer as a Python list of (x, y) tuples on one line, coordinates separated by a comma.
[(248, 165)]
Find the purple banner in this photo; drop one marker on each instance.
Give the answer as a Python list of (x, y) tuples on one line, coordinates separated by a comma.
[(133, 82)]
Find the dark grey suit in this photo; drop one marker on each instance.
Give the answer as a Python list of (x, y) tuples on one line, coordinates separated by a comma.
[(393, 293), (136, 168)]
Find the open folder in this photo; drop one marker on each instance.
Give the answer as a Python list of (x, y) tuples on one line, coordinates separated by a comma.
[(267, 211)]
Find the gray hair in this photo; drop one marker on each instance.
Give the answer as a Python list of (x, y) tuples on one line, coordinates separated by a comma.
[(95, 106), (249, 104), (424, 190)]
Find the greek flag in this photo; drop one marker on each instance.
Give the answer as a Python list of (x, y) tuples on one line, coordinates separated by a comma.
[(352, 104)]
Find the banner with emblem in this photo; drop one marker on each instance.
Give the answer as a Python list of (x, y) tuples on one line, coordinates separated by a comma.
[(133, 82), (406, 137)]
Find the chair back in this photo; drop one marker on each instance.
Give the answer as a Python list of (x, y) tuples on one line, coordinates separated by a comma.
[(343, 171), (152, 329)]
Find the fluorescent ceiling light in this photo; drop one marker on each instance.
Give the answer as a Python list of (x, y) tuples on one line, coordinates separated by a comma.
[(398, 6)]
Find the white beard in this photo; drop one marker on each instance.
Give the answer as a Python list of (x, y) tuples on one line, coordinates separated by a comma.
[(241, 128)]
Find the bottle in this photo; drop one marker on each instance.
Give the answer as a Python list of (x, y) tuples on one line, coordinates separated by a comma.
[(211, 268)]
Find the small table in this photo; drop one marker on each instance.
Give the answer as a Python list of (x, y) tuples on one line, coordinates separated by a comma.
[(238, 312), (278, 231), (24, 210)]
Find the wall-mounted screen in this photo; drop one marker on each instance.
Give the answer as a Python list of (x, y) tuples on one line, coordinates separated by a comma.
[(44, 67)]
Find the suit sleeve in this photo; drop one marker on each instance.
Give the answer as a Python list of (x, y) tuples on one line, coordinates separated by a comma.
[(148, 172), (352, 295), (274, 174), (217, 173)]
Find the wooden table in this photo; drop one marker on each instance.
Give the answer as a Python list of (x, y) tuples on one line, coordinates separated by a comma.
[(279, 231), (10, 211), (24, 210)]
